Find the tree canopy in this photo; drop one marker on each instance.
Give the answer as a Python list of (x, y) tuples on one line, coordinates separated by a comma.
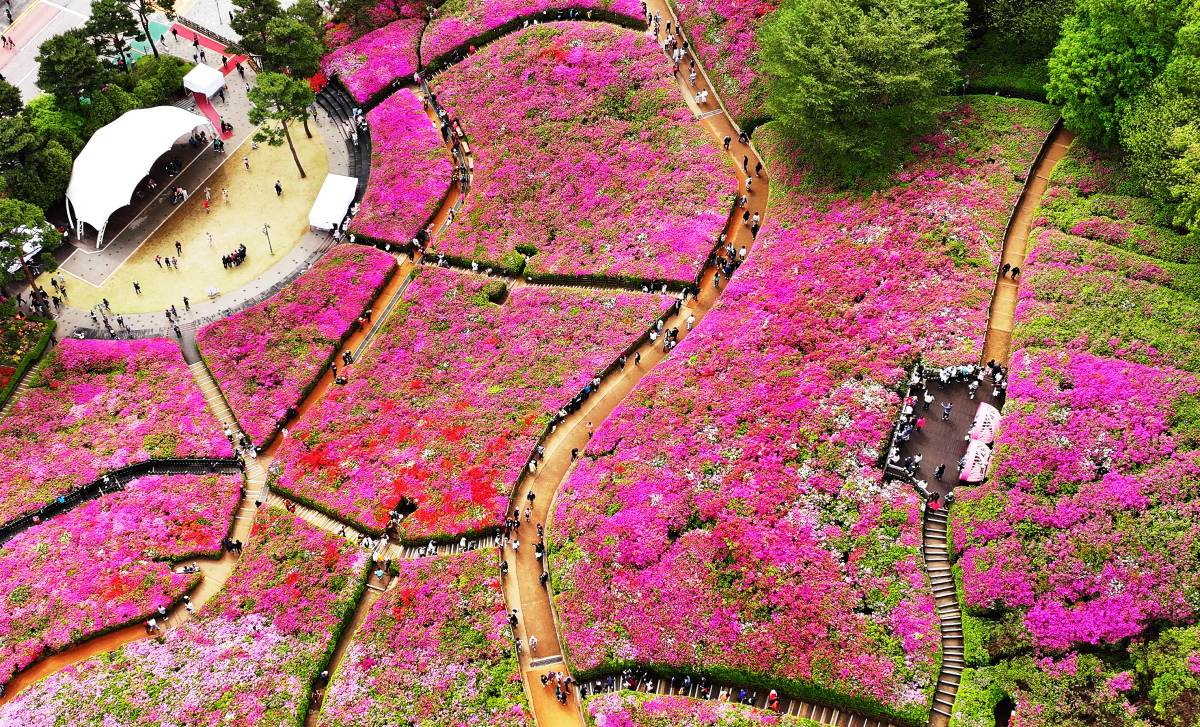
[(1109, 51), (252, 21), (69, 66), (280, 99), (21, 222), (851, 81)]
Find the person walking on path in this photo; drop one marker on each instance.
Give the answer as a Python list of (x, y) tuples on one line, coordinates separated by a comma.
[(246, 161), (209, 236), (278, 188), (225, 194), (137, 288), (728, 139), (946, 411), (691, 321), (207, 194), (158, 259), (178, 248)]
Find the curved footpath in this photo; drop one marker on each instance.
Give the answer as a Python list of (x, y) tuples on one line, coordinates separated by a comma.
[(997, 346)]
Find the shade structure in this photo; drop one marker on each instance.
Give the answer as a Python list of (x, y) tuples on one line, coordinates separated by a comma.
[(118, 156), (204, 79), (977, 461), (336, 195), (986, 424)]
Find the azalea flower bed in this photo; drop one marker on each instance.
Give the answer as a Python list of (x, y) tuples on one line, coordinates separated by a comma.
[(633, 709), (738, 489), (268, 357), (585, 158), (1079, 293), (101, 566), (721, 34), (94, 406), (410, 171), (368, 65), (447, 616), (249, 657), (459, 22), (449, 401), (355, 18)]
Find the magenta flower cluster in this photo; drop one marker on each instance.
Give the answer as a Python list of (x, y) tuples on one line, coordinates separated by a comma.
[(370, 63), (722, 34), (268, 357), (449, 401), (410, 171), (101, 566), (457, 23), (737, 488), (246, 660), (435, 649), (584, 154), (95, 406), (1086, 442)]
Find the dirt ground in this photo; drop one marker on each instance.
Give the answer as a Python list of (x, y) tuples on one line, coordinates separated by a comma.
[(252, 202)]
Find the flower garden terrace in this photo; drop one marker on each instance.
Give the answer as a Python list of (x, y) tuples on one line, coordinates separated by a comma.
[(733, 480)]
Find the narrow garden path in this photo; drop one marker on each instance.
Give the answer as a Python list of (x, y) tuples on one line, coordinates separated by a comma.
[(941, 578), (997, 346)]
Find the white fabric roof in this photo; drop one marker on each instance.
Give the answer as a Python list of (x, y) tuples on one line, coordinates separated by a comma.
[(204, 79), (337, 194), (119, 155)]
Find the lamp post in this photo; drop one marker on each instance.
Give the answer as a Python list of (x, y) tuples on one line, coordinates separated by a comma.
[(267, 232)]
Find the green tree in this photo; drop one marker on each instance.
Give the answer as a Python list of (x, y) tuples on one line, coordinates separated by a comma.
[(21, 222), (146, 8), (10, 99), (43, 181), (69, 67), (111, 26), (1147, 130), (252, 21), (280, 99), (1035, 23), (851, 80), (311, 14), (1110, 50), (293, 48)]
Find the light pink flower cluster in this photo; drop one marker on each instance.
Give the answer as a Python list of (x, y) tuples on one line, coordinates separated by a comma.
[(247, 659)]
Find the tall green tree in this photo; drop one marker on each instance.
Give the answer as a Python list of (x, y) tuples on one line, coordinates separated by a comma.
[(293, 48), (69, 67), (309, 13), (146, 8), (851, 80), (252, 21), (111, 27), (35, 166), (279, 99), (1035, 23), (21, 222), (10, 99), (1109, 52)]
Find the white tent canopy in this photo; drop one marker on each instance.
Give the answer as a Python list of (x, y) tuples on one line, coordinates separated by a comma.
[(118, 156), (204, 79), (337, 193)]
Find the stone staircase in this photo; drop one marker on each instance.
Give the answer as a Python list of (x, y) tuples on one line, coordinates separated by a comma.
[(334, 101), (941, 579)]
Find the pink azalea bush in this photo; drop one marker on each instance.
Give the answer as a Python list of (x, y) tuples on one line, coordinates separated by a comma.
[(370, 64), (410, 171), (631, 709), (355, 18), (95, 406), (101, 566), (721, 34), (247, 659), (434, 649), (460, 21), (450, 399), (268, 357), (737, 488), (584, 155)]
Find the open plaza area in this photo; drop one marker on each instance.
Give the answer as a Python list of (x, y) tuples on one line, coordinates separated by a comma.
[(603, 363)]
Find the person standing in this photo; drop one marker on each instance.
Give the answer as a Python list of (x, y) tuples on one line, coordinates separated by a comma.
[(137, 288), (278, 188), (946, 411), (246, 161), (186, 305), (178, 248), (225, 194)]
